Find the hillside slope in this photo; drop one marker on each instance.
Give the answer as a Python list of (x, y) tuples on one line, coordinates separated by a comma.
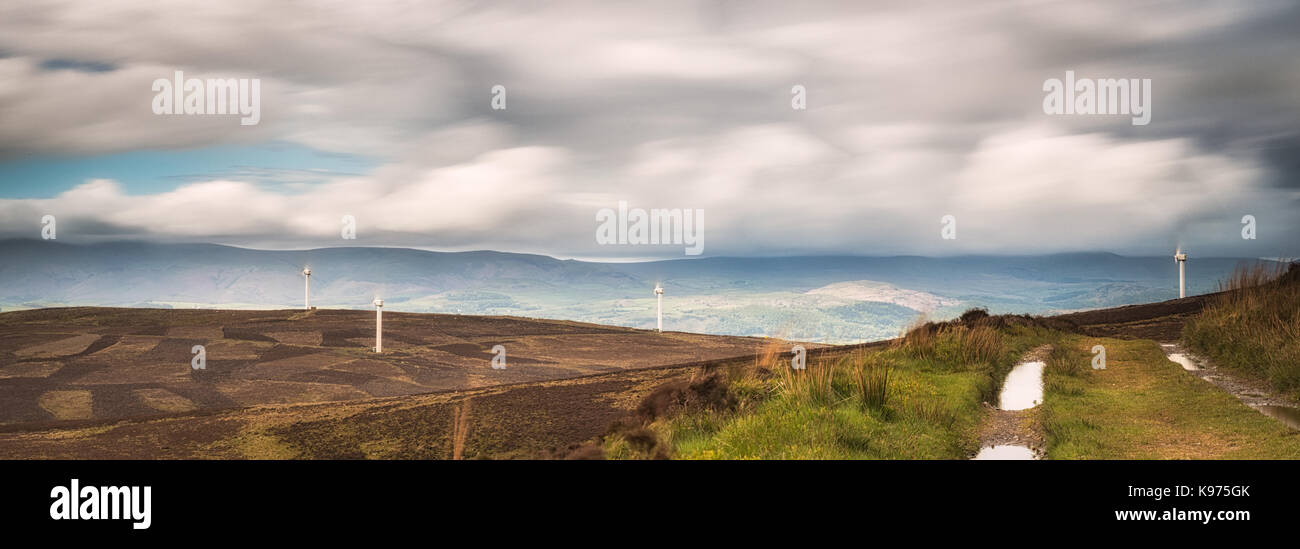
[(107, 364), (826, 299)]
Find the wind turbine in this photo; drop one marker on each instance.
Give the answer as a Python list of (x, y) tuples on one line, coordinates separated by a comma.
[(379, 325), (1181, 258), (307, 289), (659, 297)]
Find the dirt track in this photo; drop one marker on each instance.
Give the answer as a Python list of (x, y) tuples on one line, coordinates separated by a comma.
[(1018, 427)]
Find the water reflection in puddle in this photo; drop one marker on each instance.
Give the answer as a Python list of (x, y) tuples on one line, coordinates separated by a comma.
[(1023, 388), (1184, 361), (1286, 414), (1005, 451)]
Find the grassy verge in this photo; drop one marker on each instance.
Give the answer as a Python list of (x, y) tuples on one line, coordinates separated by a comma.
[(1142, 406), (1254, 327), (919, 399)]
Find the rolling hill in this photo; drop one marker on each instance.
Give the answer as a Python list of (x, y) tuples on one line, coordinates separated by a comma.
[(825, 299)]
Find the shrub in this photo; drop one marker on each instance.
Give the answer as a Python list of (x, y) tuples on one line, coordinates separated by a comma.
[(971, 316)]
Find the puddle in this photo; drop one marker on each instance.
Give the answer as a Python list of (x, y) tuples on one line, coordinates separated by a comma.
[(1184, 361), (1023, 388), (1286, 414), (1005, 451), (1175, 354), (1249, 393)]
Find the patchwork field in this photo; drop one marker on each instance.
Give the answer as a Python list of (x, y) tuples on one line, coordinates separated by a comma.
[(83, 364)]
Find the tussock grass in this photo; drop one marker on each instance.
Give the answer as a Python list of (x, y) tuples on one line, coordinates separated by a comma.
[(921, 399), (956, 345), (880, 405), (870, 379), (814, 385), (1066, 368), (1254, 326), (860, 377), (1069, 361)]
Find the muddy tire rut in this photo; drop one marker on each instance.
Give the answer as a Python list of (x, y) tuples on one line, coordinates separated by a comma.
[(1015, 427)]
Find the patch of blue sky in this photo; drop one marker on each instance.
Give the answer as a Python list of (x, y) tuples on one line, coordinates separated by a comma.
[(154, 171)]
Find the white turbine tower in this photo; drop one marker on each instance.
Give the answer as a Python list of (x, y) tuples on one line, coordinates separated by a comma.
[(307, 289), (659, 317), (1181, 258), (379, 325)]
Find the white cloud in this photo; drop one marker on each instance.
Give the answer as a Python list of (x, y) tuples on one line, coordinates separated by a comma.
[(1039, 189), (913, 112)]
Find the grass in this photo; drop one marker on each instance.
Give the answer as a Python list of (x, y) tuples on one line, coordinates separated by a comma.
[(1142, 406), (1254, 327), (870, 380), (72, 404), (920, 399), (164, 400), (954, 345)]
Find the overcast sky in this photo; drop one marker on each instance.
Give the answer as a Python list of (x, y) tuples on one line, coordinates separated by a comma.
[(916, 110)]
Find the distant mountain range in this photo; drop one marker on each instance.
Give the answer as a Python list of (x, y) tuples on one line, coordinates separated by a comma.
[(829, 299)]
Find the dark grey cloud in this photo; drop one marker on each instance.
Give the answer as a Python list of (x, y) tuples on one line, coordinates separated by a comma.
[(76, 65), (1283, 156)]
